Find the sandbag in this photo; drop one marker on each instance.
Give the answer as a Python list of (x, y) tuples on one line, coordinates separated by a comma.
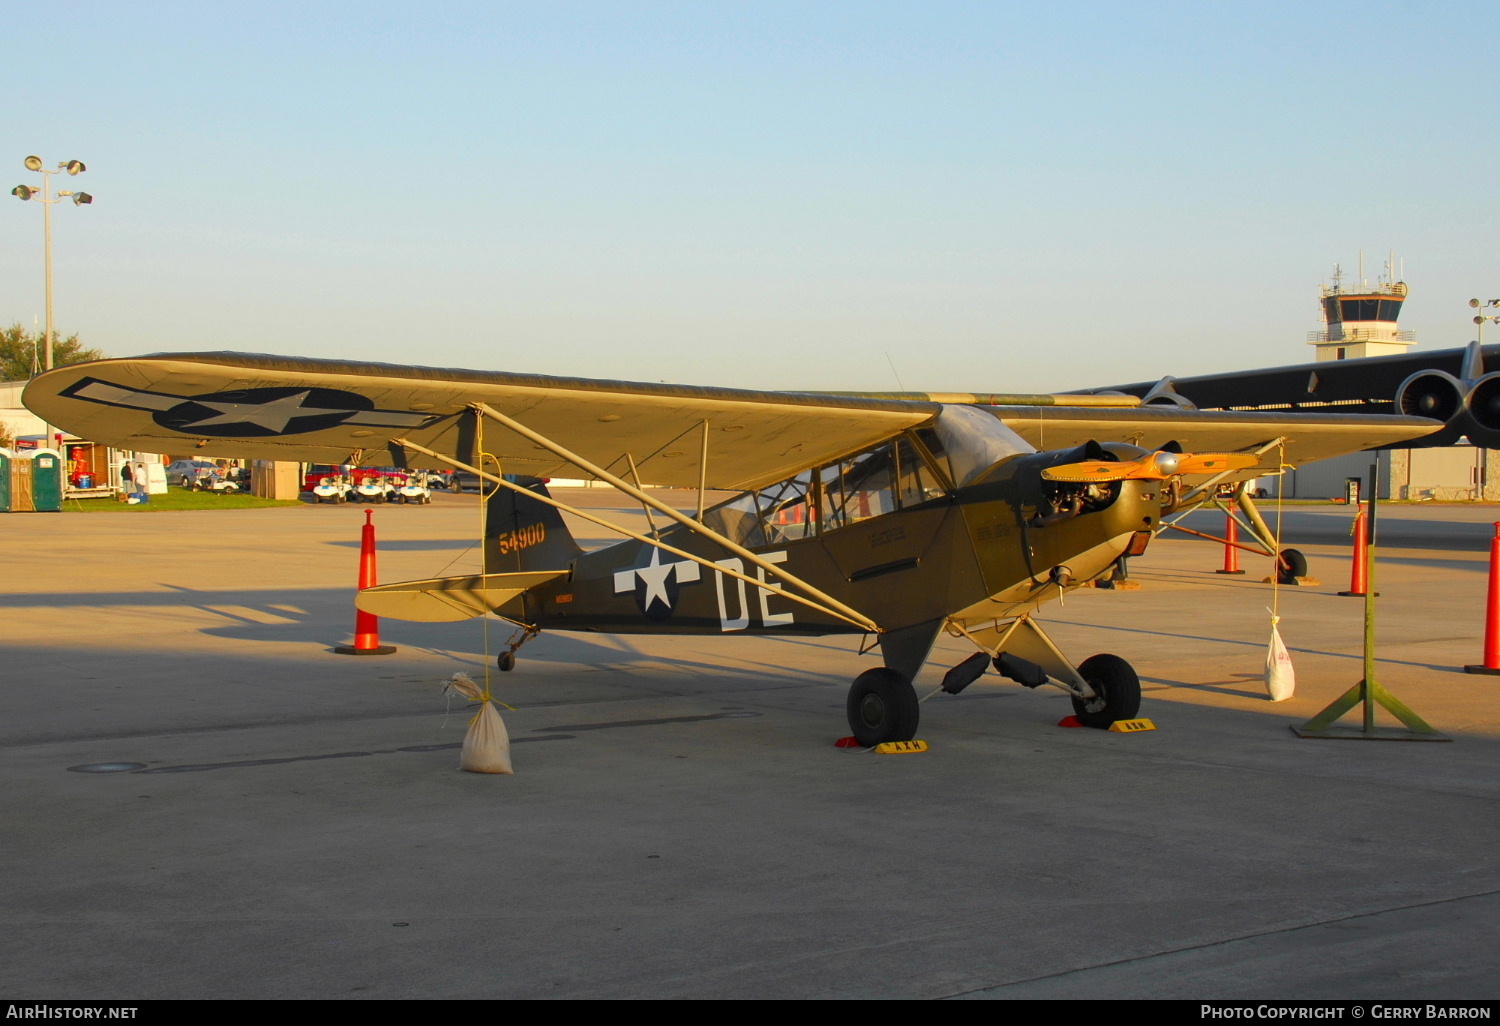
[(487, 745), (1281, 679)]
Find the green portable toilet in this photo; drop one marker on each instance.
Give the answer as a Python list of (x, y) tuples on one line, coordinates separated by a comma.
[(46, 481), (6, 458)]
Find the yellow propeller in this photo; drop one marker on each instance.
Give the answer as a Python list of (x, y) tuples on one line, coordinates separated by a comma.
[(1154, 466)]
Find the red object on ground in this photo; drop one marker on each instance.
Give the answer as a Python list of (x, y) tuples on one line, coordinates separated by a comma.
[(1491, 614), (1231, 554), (366, 625), (847, 742), (1359, 582), (1069, 721)]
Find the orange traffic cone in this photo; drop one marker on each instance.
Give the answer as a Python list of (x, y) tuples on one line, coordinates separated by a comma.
[(1231, 553), (366, 625)]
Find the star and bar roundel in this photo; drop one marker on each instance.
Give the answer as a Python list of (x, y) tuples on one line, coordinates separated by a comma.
[(249, 412)]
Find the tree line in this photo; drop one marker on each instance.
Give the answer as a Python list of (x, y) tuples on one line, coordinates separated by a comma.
[(23, 353)]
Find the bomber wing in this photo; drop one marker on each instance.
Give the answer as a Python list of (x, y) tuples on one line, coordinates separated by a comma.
[(1438, 383), (323, 411)]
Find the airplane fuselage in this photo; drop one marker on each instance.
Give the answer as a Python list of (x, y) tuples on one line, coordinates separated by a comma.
[(997, 548)]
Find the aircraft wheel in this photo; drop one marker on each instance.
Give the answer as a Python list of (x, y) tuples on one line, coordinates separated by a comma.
[(1290, 565), (506, 661), (882, 707), (1118, 691)]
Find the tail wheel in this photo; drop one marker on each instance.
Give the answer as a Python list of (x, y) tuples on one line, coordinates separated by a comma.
[(1290, 565), (1117, 691), (882, 707), (506, 661)]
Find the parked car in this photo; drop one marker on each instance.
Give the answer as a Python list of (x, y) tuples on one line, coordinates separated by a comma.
[(188, 473), (461, 480)]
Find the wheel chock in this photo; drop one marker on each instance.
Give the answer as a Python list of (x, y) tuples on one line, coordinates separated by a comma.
[(1131, 726), (1069, 721), (901, 747), (847, 742)]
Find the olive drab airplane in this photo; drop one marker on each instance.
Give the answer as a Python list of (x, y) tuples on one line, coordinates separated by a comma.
[(887, 518)]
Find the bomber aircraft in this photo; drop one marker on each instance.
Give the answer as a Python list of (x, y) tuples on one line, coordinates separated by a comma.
[(890, 519)]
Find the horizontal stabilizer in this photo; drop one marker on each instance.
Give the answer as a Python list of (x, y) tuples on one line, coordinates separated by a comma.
[(449, 598)]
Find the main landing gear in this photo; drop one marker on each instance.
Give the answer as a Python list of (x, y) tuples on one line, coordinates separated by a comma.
[(883, 705)]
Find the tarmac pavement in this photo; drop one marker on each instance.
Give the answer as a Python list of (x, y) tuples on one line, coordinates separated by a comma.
[(680, 824)]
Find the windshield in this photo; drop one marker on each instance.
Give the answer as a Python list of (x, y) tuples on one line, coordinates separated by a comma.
[(975, 440)]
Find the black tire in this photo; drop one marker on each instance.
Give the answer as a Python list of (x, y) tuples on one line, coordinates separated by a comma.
[(882, 707), (454, 486), (506, 661), (1118, 687), (1290, 565)]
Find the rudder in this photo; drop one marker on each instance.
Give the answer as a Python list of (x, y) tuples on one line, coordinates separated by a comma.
[(523, 534)]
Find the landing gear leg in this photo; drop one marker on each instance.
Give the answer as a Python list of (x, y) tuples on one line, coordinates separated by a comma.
[(1290, 563), (1104, 688)]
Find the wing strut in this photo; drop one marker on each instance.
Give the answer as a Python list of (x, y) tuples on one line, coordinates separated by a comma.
[(833, 604), (862, 623)]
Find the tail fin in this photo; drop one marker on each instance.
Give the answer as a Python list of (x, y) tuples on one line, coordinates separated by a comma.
[(523, 535)]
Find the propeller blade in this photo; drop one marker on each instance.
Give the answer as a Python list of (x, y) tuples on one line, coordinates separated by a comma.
[(1215, 462), (1155, 466), (1091, 470)]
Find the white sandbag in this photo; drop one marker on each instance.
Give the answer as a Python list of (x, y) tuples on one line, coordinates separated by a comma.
[(1281, 679), (487, 745)]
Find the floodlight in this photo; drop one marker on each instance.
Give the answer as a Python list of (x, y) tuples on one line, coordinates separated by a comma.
[(22, 192), (1479, 320), (80, 198), (1473, 302), (74, 166), (33, 163)]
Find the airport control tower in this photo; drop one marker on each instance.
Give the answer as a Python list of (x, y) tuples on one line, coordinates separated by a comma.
[(1361, 318)]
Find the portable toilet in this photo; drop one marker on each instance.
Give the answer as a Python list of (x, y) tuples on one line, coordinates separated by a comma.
[(46, 481), (6, 458)]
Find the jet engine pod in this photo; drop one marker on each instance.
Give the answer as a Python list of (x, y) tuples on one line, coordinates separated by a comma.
[(1484, 409), (1430, 393)]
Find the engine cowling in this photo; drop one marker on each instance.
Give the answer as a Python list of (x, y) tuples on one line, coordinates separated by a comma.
[(1483, 404), (1434, 394)]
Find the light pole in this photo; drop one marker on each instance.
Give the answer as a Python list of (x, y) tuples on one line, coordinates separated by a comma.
[(1480, 319), (45, 197)]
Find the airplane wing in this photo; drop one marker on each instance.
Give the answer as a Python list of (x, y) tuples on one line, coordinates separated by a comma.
[(322, 411)]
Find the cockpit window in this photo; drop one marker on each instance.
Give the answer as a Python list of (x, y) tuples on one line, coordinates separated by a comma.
[(781, 513), (881, 480), (859, 488), (915, 480)]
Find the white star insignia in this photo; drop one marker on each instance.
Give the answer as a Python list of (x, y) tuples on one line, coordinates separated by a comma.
[(655, 574), (274, 415)]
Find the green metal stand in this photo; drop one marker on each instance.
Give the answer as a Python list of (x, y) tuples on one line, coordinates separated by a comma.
[(1368, 691)]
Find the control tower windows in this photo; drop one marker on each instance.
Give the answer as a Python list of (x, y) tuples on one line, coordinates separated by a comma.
[(1369, 309)]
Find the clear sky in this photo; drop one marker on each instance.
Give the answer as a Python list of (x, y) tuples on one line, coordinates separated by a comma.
[(986, 195)]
